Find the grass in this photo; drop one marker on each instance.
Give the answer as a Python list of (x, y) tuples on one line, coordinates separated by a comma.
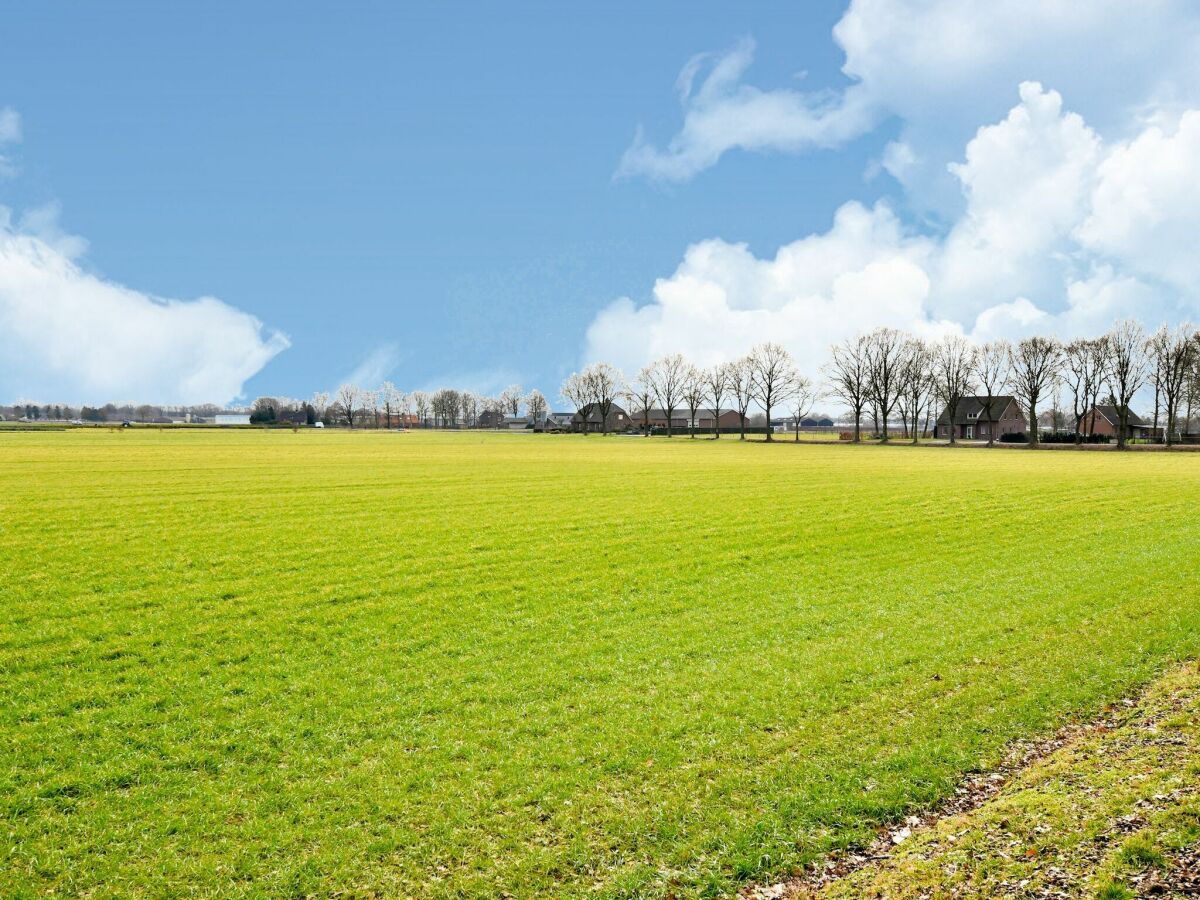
[(274, 663), (1109, 816)]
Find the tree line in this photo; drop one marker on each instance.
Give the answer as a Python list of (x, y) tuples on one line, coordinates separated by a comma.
[(887, 374)]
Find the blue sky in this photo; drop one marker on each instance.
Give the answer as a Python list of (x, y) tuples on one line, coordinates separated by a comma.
[(435, 193)]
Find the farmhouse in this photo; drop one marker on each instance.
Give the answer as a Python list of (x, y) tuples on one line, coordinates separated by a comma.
[(589, 419), (974, 421), (1103, 419)]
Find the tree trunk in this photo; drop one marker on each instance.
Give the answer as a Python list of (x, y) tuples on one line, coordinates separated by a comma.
[(770, 436), (1033, 425), (1154, 433), (858, 425)]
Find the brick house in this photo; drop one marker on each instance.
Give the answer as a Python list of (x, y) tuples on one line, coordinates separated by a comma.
[(1104, 419), (973, 423), (589, 419)]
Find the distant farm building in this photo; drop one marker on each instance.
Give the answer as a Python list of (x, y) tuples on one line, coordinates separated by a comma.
[(706, 419), (231, 419)]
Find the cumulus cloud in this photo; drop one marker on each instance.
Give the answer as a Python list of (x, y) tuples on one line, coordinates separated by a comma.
[(1060, 232), (864, 271), (936, 66), (72, 335), (1146, 208)]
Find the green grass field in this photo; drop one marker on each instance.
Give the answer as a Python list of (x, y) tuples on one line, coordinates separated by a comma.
[(317, 663)]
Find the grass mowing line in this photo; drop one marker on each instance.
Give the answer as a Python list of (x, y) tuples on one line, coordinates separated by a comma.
[(260, 663)]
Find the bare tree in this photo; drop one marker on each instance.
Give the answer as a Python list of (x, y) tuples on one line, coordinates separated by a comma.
[(773, 377), (1174, 358), (403, 408), (716, 386), (1082, 371), (370, 406), (668, 377), (512, 397), (885, 363), (389, 399), (954, 370), (320, 405), (991, 374), (420, 401), (849, 375), (1191, 391), (348, 396), (741, 385), (536, 403), (1125, 371), (640, 395), (606, 384), (579, 391), (1034, 363), (918, 380), (445, 405), (468, 403), (804, 395), (694, 392)]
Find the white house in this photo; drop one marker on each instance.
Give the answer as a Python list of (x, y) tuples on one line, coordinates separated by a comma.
[(232, 419)]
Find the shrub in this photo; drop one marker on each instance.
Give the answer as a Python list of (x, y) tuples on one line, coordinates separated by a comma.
[(1017, 437), (1068, 437)]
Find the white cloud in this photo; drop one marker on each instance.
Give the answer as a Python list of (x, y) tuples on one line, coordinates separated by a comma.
[(1146, 208), (1060, 232), (722, 299), (1026, 181), (939, 66), (374, 369), (724, 113), (71, 335)]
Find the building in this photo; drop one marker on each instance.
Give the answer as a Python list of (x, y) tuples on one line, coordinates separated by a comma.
[(558, 421), (589, 419), (515, 423), (705, 418), (490, 418), (973, 423), (231, 419), (1106, 420)]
